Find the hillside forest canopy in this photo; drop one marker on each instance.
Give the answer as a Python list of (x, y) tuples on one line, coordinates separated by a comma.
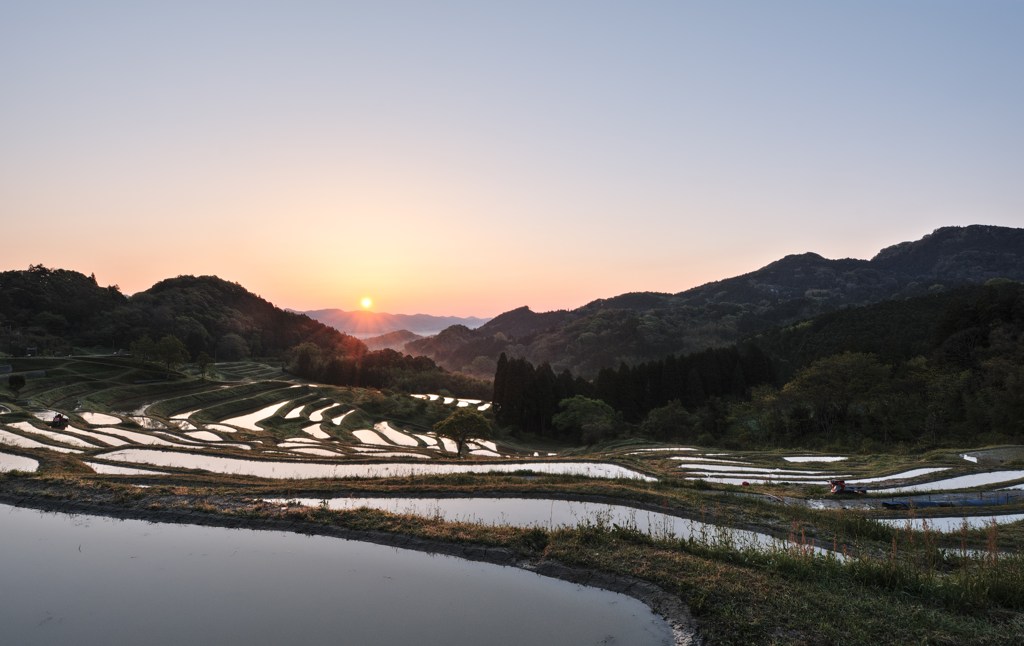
[(54, 312), (948, 369)]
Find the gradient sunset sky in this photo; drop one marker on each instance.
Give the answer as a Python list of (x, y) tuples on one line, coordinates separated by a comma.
[(466, 158)]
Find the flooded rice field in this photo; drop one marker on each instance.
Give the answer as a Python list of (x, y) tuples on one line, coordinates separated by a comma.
[(297, 426), (960, 482), (99, 418), (950, 524), (552, 514), (248, 422), (9, 462), (13, 439), (88, 581), (293, 470), (814, 458)]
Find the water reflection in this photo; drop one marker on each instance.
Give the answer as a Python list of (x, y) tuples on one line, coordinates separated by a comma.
[(88, 581), (553, 514), (10, 462), (268, 469), (948, 524), (960, 482)]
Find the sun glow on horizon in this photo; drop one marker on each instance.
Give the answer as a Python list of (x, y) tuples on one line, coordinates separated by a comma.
[(366, 302)]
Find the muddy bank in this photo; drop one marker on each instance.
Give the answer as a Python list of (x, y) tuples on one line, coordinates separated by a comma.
[(231, 512)]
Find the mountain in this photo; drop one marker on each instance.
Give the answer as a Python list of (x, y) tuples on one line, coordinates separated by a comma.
[(636, 327), (54, 310), (51, 311), (476, 351), (939, 369), (364, 325), (205, 309)]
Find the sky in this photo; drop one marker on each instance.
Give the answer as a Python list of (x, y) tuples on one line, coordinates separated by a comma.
[(469, 157)]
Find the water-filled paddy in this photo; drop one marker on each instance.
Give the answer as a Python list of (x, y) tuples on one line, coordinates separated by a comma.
[(367, 436), (99, 418), (248, 422), (13, 439), (292, 470), (88, 581), (9, 462), (318, 414), (947, 524), (63, 438), (814, 458), (103, 438), (960, 482), (702, 466), (205, 436), (109, 469), (552, 514), (141, 438), (903, 475), (314, 430), (395, 436)]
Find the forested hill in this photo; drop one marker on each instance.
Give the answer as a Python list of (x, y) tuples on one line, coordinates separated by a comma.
[(633, 328), (941, 369), (203, 310), (54, 311)]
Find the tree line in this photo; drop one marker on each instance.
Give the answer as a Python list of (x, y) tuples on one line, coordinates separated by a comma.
[(378, 369), (533, 398), (934, 370)]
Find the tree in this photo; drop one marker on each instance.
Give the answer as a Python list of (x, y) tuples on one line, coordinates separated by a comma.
[(462, 425), (670, 422), (589, 420), (170, 351), (306, 360), (16, 383), (834, 386), (203, 362), (142, 349), (232, 347)]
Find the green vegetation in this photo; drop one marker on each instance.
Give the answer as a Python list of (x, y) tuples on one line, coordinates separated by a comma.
[(826, 383), (15, 383), (462, 425)]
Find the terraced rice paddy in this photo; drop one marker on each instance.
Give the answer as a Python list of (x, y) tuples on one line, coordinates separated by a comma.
[(10, 462), (199, 444), (292, 470), (108, 582), (195, 435), (551, 514), (950, 524), (13, 439), (188, 447), (960, 482)]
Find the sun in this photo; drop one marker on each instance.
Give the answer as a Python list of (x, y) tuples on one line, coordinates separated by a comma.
[(366, 302)]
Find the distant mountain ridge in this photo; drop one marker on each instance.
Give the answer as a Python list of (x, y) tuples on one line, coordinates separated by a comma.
[(365, 325), (47, 311), (641, 326)]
